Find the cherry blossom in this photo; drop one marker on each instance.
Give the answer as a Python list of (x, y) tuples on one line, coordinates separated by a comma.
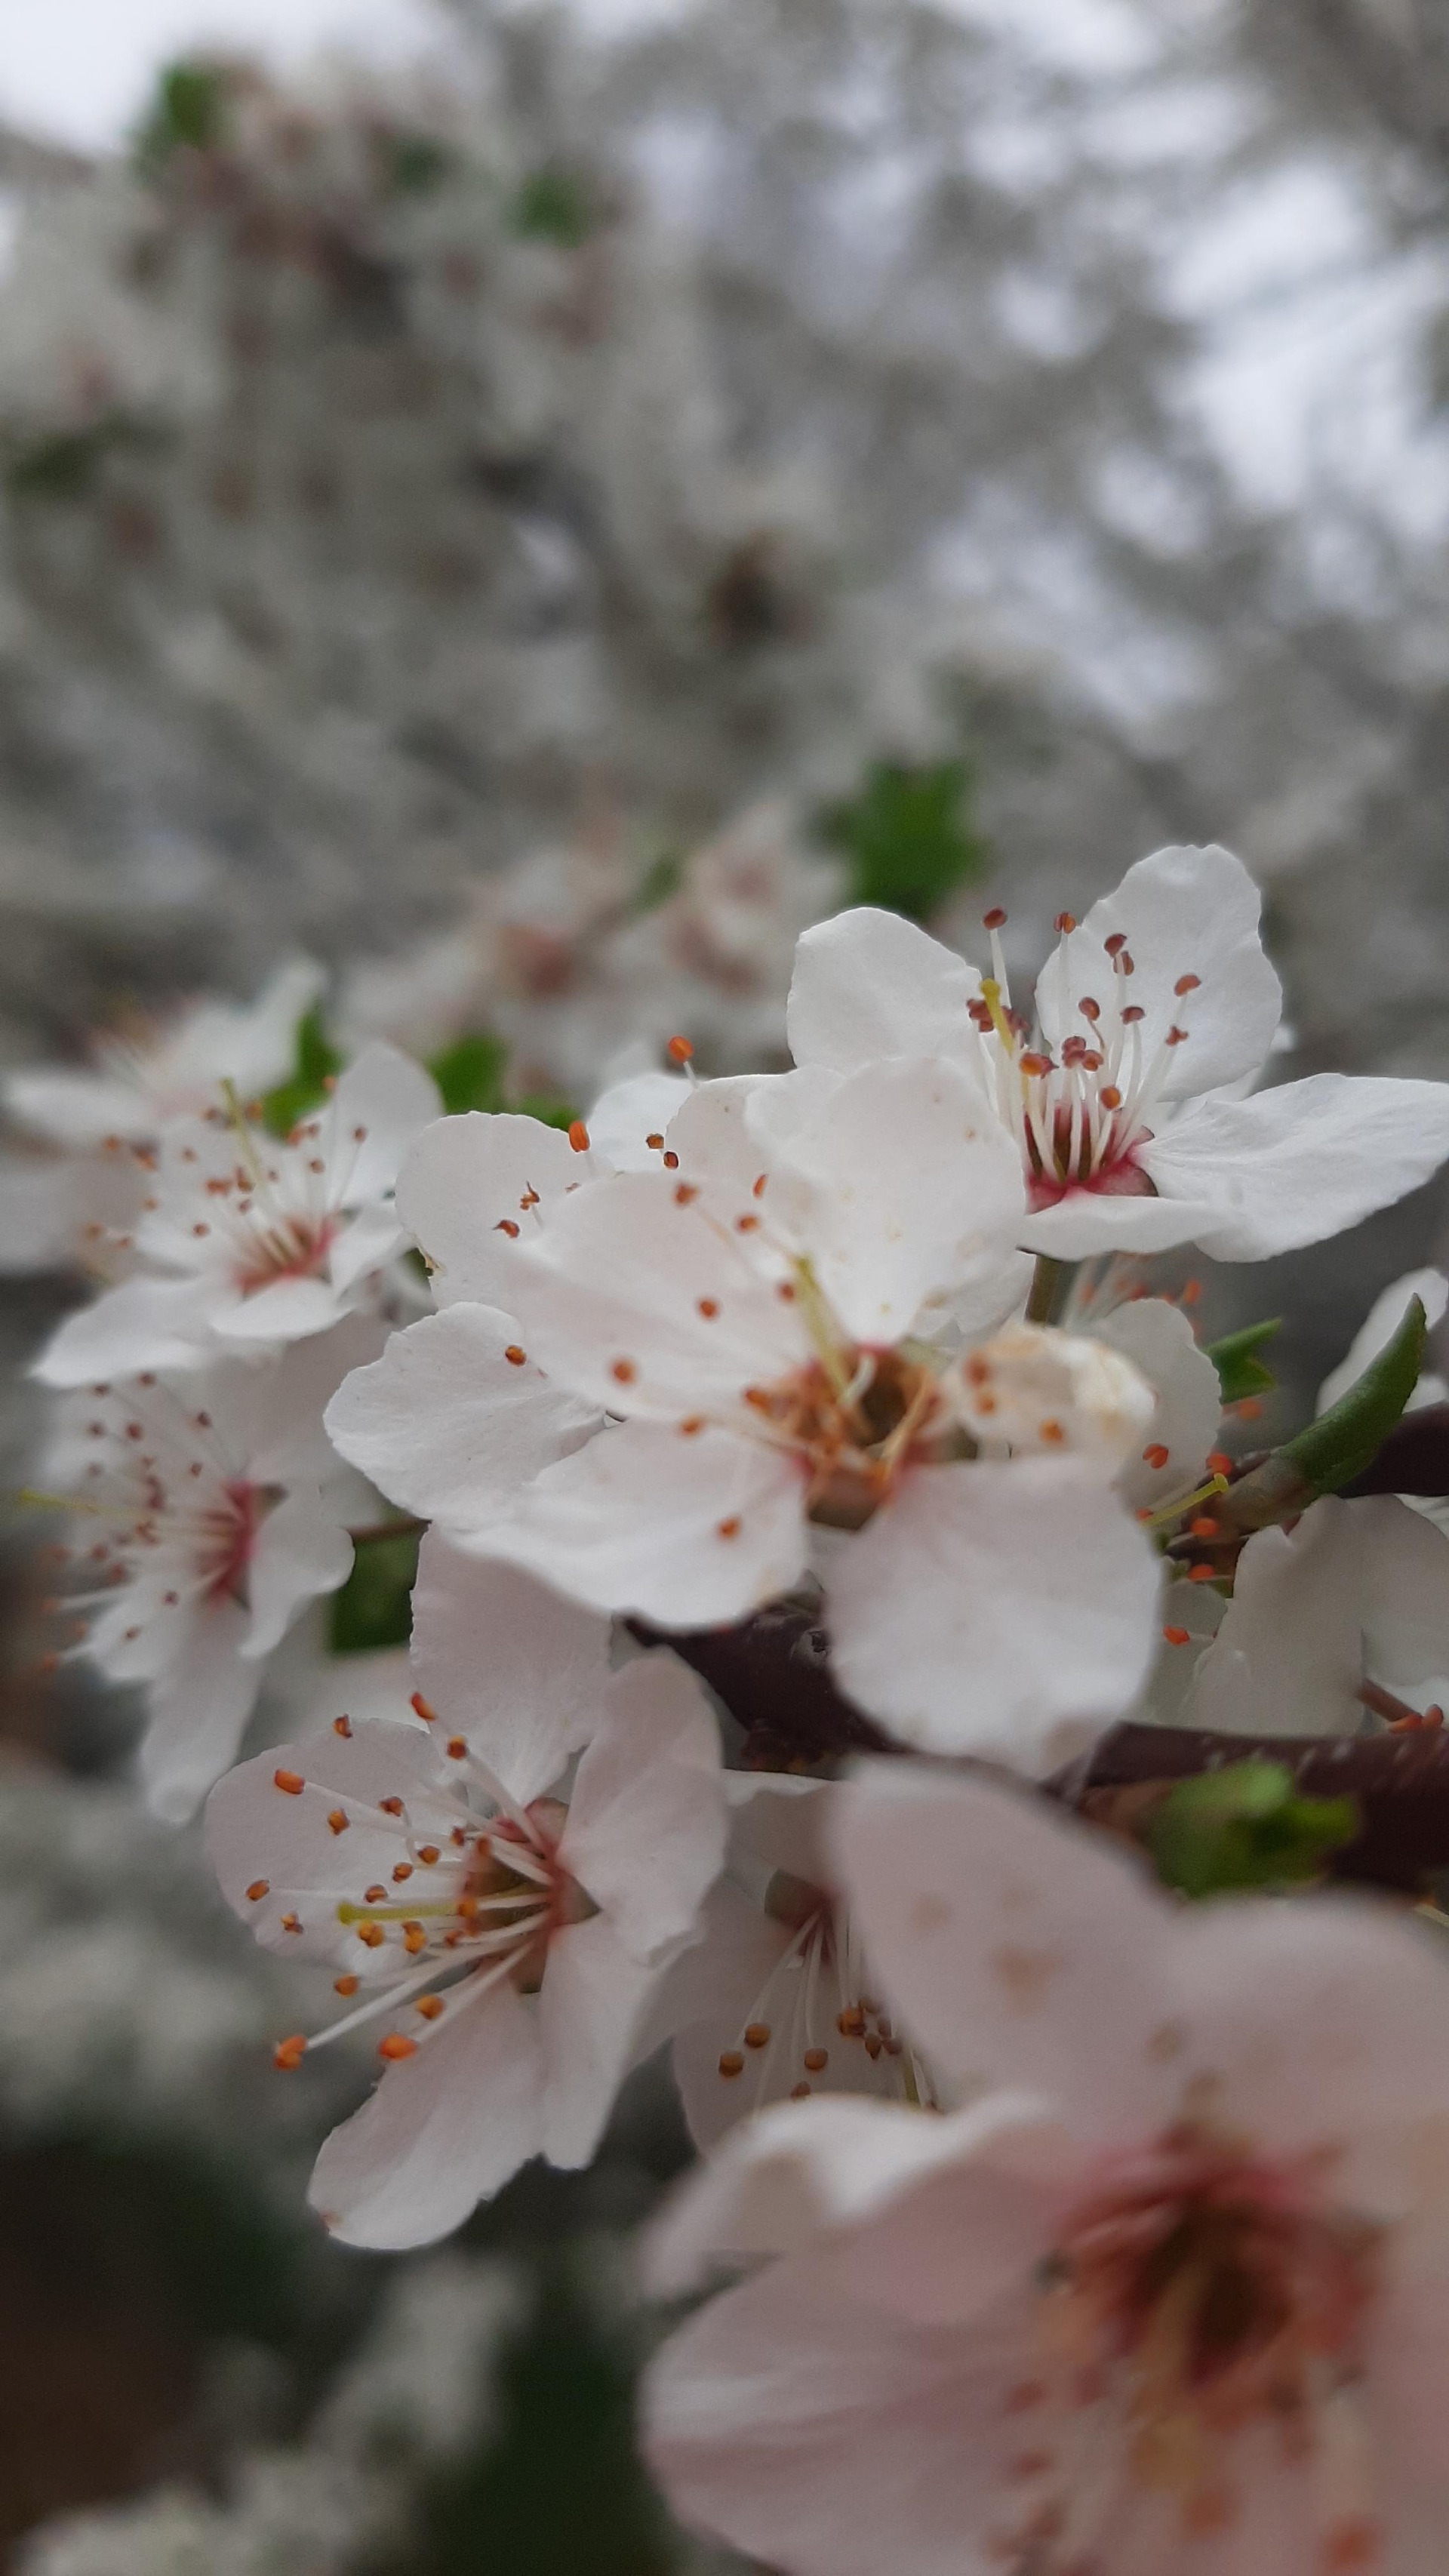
[(1346, 1612), (251, 1241), (781, 1413), (509, 1923), (1124, 1095), (1175, 2299), (776, 2001), (205, 1521)]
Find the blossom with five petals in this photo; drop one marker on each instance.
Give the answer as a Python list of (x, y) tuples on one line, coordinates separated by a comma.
[(510, 1921), (1124, 1094), (1179, 2298)]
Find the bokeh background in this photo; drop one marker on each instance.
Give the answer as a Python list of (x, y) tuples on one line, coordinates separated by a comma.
[(532, 505)]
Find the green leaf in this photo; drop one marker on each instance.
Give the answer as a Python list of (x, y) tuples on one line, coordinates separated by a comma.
[(909, 836), (1240, 1373), (1245, 1827), (187, 112), (315, 1060), (554, 206), (549, 1112), (374, 1606), (415, 163), (469, 1073), (1341, 1443), (661, 879)]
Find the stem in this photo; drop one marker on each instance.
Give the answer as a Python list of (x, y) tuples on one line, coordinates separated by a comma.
[(1050, 1289)]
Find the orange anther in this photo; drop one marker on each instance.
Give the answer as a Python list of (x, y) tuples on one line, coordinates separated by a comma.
[(1178, 1636), (799, 2092), (995, 919), (1034, 1063), (679, 1050), (457, 1747), (747, 1225), (507, 1225), (1202, 1574), (1155, 1455), (339, 1820), (624, 1371), (427, 1854), (655, 1144), (373, 1895), (515, 1354), (429, 2006), (1190, 1292), (708, 1307), (786, 1292), (1219, 1463), (1065, 921), (851, 2022), (1187, 984), (371, 1934), (692, 1424), (289, 2053), (290, 1781), (345, 1985), (757, 2034), (1110, 1096), (259, 1888), (816, 2058), (757, 1187), (1116, 943), (578, 1136), (728, 1528), (422, 1708), (685, 1193), (1248, 1408), (1203, 1527), (342, 1726), (731, 2062), (396, 2045), (671, 1162), (291, 1923), (414, 1940), (1051, 1432), (403, 1869)]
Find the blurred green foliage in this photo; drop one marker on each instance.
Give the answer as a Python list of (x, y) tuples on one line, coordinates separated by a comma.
[(374, 1606), (554, 205), (187, 112), (909, 836), (470, 1072), (1245, 1826), (314, 1062)]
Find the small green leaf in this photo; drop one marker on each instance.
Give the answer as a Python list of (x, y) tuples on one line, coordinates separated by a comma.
[(1341, 1443), (661, 879), (909, 836), (469, 1073), (187, 112), (315, 1060), (374, 1606), (1240, 1372), (554, 206), (549, 1112), (1245, 1827)]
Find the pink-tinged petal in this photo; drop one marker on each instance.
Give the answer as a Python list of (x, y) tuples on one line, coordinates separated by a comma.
[(369, 1241), (471, 1189), (1379, 1327), (684, 1531), (143, 1324), (1160, 1341), (800, 2424), (1019, 1949), (591, 2012), (1088, 1222), (1288, 1655), (285, 1868), (900, 1187), (1293, 1166), (286, 1311), (300, 1553), (1007, 1611), (444, 2129), (1183, 912), (868, 985), (805, 2171), (625, 1116), (381, 1105), (447, 1425), (646, 1826), (1323, 2023), (197, 1709), (637, 1297), (506, 1663)]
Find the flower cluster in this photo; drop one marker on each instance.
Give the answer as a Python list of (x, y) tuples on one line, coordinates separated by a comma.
[(817, 1355)]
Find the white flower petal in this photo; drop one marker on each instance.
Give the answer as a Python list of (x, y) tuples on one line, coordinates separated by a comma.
[(289, 1310), (260, 1836), (629, 1112), (505, 1662), (899, 1187), (1288, 1655), (1183, 911), (76, 1108), (143, 1324), (1018, 1947), (1187, 1414), (299, 1554), (1298, 1164), (1088, 1222), (646, 1826), (868, 985), (381, 1104), (466, 1180), (447, 1426), (635, 1296), (197, 1709), (686, 1532), (591, 2011), (442, 2131), (364, 1246), (1003, 1611)]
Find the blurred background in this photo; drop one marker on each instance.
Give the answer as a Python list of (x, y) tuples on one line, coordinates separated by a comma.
[(532, 506)]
